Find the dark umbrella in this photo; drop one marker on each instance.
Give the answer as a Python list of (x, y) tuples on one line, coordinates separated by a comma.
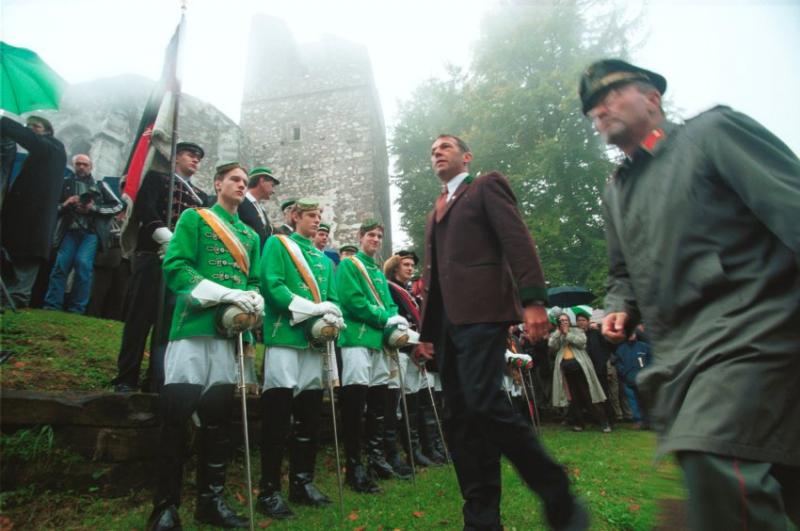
[(26, 82), (566, 296)]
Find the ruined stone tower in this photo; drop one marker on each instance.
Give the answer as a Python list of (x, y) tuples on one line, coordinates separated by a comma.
[(311, 113)]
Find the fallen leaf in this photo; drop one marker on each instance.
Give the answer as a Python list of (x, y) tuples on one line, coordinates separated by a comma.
[(576, 472), (263, 524), (239, 497), (603, 492), (360, 528), (440, 493), (418, 514), (634, 507), (353, 516), (20, 364)]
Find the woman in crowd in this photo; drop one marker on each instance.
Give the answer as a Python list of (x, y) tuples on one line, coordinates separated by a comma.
[(575, 382)]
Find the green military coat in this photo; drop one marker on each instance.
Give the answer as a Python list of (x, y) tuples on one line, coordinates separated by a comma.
[(196, 253), (280, 281), (703, 238), (365, 319)]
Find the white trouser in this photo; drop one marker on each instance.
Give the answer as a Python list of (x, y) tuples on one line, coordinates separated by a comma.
[(412, 377), (204, 361), (292, 368), (364, 366)]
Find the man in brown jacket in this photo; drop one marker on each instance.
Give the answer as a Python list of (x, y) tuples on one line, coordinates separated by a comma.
[(482, 273)]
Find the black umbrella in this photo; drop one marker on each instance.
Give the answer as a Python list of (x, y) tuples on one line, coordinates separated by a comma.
[(565, 296)]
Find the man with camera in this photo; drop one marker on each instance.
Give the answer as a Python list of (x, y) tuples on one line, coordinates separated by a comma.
[(85, 210)]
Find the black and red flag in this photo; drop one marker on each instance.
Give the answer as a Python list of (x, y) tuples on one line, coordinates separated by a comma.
[(152, 147)]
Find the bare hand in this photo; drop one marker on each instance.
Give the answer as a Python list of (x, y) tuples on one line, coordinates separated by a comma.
[(424, 351), (614, 327), (71, 200), (536, 323)]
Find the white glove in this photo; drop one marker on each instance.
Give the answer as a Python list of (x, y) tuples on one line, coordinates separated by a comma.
[(209, 293), (398, 320), (413, 337), (303, 308), (258, 302), (335, 320), (162, 236)]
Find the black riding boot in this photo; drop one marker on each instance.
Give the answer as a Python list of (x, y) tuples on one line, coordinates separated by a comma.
[(276, 411), (352, 399), (376, 411), (412, 401), (176, 403), (305, 434), (390, 431), (430, 442), (215, 411)]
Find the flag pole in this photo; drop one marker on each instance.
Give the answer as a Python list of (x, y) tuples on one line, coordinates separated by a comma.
[(160, 334)]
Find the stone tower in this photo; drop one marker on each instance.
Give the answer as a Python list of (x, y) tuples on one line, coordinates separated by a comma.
[(311, 113)]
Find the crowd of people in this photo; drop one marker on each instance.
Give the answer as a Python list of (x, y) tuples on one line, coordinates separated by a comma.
[(718, 291)]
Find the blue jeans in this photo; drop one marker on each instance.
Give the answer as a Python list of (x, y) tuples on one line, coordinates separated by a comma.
[(77, 250), (633, 402)]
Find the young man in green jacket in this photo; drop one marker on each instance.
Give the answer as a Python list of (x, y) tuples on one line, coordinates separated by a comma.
[(212, 262), (368, 311), (297, 280)]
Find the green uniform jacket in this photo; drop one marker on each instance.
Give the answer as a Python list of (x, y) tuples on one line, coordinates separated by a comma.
[(364, 318), (703, 239), (280, 281), (196, 253)]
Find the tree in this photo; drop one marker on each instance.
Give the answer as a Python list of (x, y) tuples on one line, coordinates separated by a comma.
[(517, 106)]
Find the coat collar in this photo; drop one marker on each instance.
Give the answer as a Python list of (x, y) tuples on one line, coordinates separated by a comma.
[(458, 193)]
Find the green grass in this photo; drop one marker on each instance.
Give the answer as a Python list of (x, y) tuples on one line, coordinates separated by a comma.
[(59, 351), (614, 474)]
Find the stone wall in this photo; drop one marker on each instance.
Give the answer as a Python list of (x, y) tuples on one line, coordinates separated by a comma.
[(312, 114), (101, 118)]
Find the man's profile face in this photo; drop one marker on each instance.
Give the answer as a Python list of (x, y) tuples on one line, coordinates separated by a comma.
[(307, 222), (447, 159), (582, 322), (267, 187), (622, 115), (187, 162), (321, 239), (83, 166), (36, 127)]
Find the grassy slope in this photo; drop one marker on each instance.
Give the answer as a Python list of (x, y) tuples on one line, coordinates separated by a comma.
[(613, 473)]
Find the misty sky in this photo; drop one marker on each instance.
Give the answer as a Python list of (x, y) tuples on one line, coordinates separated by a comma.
[(740, 53)]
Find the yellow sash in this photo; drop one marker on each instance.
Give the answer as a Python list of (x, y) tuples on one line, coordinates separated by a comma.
[(364, 272), (230, 240), (301, 265)]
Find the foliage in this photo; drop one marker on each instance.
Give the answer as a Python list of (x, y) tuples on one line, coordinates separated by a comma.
[(28, 444), (517, 107)]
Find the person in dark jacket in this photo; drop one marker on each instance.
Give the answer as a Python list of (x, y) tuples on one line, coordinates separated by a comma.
[(31, 204), (631, 357), (704, 246), (599, 350), (83, 221), (260, 187), (154, 235)]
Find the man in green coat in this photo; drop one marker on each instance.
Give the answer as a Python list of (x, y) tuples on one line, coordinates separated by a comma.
[(212, 262), (703, 241), (368, 311), (298, 283)]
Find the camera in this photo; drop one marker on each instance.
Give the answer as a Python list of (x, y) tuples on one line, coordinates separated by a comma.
[(87, 197)]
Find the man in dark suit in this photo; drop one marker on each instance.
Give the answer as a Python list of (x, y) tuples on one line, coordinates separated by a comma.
[(31, 204), (482, 273), (260, 187), (287, 228)]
